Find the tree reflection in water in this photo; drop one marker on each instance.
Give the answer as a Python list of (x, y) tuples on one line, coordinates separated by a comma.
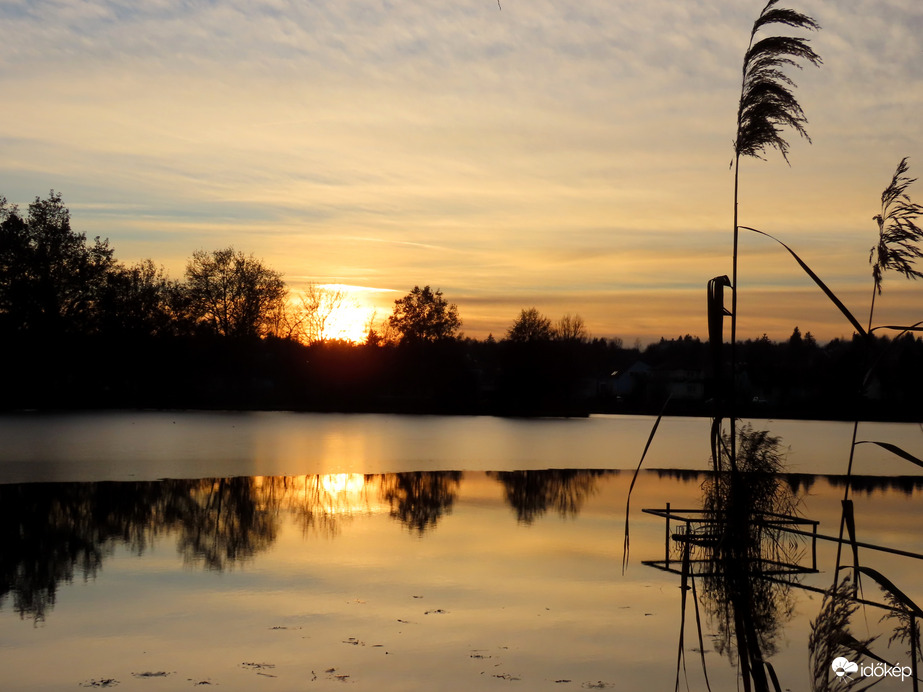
[(223, 521), (321, 504), (420, 499), (532, 493), (52, 532)]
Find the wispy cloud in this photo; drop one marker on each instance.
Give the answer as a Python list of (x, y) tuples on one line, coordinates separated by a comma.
[(570, 150)]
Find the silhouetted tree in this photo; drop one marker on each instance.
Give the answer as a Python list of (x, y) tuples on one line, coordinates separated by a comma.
[(424, 316), (315, 315), (233, 294), (531, 325), (139, 299), (571, 328), (51, 278)]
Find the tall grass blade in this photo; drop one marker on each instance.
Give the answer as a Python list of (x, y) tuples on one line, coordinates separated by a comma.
[(893, 327), (698, 626), (684, 588), (650, 438), (817, 280), (716, 444), (773, 677), (894, 449), (849, 519), (889, 586)]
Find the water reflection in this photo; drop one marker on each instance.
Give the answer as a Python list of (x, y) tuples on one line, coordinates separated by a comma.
[(532, 493), (421, 498), (54, 532), (752, 560), (741, 548), (801, 483), (742, 555)]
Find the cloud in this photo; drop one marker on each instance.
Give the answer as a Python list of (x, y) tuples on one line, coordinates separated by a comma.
[(572, 150)]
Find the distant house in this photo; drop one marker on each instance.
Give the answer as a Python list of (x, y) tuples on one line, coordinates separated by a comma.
[(682, 384), (626, 382)]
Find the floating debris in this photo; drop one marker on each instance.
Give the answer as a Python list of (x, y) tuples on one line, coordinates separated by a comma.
[(563, 680), (354, 642), (438, 611), (598, 685), (333, 675), (104, 682), (149, 674), (506, 676)]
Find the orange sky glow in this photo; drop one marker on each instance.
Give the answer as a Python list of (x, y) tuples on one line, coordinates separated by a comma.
[(571, 157)]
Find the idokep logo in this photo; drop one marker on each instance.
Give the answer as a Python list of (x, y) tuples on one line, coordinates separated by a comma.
[(843, 666)]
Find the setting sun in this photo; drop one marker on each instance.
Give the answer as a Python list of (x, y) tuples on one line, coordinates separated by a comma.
[(337, 312), (350, 321)]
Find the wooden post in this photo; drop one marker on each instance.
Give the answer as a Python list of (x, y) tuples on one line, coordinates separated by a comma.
[(666, 552)]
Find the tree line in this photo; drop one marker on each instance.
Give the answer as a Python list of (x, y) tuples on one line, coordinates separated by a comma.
[(83, 330)]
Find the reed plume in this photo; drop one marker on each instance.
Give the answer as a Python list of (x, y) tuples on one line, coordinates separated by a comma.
[(767, 107), (897, 230), (767, 104)]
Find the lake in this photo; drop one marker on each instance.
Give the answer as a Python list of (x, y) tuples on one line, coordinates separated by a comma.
[(284, 551)]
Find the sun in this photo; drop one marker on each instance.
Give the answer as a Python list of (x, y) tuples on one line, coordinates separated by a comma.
[(349, 323), (357, 312)]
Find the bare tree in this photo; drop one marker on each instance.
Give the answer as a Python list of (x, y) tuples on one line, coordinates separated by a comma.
[(234, 294), (571, 328), (320, 304)]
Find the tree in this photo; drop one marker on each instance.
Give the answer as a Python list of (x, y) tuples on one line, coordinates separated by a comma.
[(234, 294), (51, 278), (571, 328), (319, 306), (531, 325), (139, 299), (424, 315)]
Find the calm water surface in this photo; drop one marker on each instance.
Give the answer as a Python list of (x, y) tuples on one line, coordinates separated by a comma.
[(285, 551)]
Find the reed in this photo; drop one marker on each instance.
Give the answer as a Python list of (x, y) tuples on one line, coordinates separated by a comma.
[(766, 110)]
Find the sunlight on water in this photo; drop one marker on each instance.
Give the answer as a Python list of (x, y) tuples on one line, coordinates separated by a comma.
[(413, 581), (430, 578), (151, 445)]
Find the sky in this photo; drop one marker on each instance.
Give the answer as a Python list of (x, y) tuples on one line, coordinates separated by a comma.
[(568, 156)]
